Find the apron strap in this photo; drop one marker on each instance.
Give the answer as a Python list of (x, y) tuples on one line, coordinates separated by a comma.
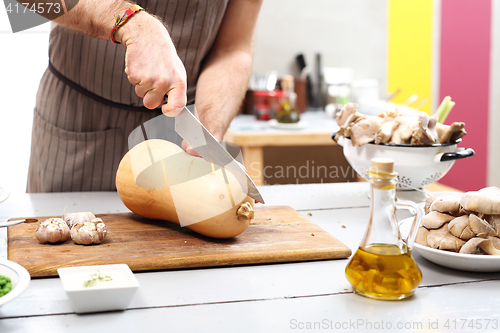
[(95, 97)]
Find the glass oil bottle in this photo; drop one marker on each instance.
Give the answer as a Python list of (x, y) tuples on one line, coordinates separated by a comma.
[(382, 267), (288, 112)]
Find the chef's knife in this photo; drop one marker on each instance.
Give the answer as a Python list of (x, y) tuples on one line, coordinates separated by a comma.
[(11, 222), (203, 142)]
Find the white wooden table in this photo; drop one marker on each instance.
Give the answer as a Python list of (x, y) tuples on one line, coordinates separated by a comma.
[(308, 296)]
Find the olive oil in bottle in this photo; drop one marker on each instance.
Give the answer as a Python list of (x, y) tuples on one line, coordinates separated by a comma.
[(288, 112), (382, 267), (381, 271)]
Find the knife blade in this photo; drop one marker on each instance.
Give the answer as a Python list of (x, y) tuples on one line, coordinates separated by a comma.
[(11, 222), (204, 143)]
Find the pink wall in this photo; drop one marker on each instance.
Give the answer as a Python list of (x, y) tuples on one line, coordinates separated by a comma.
[(464, 75)]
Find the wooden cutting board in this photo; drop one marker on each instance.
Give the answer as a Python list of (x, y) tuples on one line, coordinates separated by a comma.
[(276, 234)]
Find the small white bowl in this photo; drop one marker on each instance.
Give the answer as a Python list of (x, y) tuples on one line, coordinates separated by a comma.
[(417, 166), (115, 294), (19, 277)]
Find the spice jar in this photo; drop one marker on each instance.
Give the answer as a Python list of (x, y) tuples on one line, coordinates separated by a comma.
[(267, 103)]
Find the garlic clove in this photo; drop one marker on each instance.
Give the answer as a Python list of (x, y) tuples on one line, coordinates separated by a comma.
[(52, 230), (53, 235), (41, 233), (101, 230), (86, 233), (73, 218)]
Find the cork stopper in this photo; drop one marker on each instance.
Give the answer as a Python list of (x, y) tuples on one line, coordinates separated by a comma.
[(381, 164), (382, 173)]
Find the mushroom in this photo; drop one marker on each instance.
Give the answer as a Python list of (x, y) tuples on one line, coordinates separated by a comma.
[(422, 136), (459, 227), (431, 128), (403, 133), (474, 218), (464, 211), (481, 227), (421, 237), (450, 133), (396, 137), (420, 130), (52, 230), (484, 201), (475, 245), (435, 220), (346, 115), (495, 241), (494, 221), (386, 131), (86, 233), (442, 239), (449, 205), (365, 130), (428, 202), (390, 114)]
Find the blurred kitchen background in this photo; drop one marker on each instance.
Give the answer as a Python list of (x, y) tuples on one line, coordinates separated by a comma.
[(420, 51)]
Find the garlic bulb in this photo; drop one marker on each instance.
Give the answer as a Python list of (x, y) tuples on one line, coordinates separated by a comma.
[(52, 230), (86, 233), (74, 218)]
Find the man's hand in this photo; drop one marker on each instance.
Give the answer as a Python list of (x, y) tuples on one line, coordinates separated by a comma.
[(152, 64)]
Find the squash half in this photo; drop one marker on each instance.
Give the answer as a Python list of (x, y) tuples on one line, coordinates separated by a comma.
[(158, 180)]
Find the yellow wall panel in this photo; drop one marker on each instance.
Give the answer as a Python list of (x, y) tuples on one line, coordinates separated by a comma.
[(410, 32)]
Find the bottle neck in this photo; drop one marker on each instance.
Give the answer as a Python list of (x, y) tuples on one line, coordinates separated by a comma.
[(383, 180), (382, 227)]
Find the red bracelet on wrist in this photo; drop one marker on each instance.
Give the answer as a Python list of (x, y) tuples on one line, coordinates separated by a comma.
[(119, 21)]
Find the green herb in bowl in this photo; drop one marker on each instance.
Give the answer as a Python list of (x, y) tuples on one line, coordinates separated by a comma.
[(95, 278), (5, 285)]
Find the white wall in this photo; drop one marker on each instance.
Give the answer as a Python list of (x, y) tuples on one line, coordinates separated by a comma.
[(23, 59), (347, 33)]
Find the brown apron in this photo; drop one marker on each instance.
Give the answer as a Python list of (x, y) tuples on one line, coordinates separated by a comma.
[(86, 107)]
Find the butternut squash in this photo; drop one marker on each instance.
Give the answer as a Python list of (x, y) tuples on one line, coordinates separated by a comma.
[(158, 180)]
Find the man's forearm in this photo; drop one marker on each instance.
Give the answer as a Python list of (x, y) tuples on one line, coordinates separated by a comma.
[(92, 17), (224, 78), (221, 89)]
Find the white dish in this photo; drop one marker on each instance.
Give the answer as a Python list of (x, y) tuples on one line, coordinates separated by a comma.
[(115, 294), (298, 125), (421, 195), (443, 194), (463, 262), (19, 277)]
